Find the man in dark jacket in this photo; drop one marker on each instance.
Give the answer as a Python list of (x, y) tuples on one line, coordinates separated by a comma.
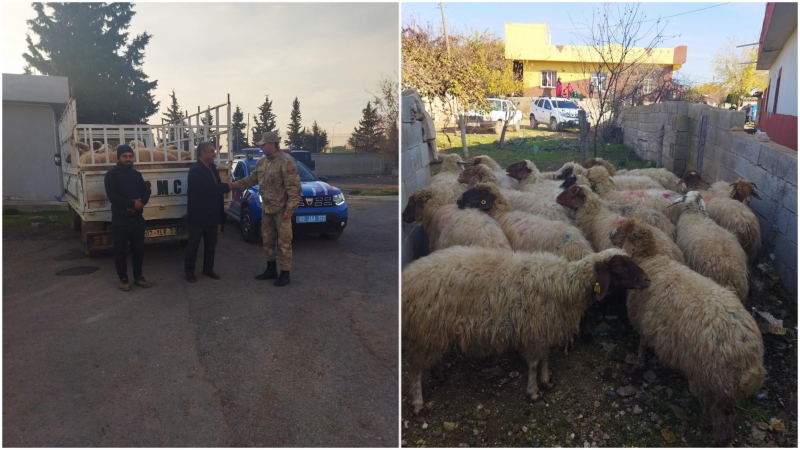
[(128, 194), (205, 210)]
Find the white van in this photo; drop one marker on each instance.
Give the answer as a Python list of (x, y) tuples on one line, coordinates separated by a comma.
[(501, 111), (555, 112)]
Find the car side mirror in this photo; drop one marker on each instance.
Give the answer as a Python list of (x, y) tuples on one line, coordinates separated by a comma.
[(321, 178), (57, 159)]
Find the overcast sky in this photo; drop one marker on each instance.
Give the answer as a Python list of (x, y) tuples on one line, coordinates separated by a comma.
[(329, 55), (702, 27)]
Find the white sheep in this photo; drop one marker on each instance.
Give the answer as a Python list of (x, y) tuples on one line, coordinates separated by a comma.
[(594, 162), (527, 232), (696, 326), (481, 299), (665, 178), (644, 214), (503, 180), (446, 225), (445, 184), (709, 249), (596, 222), (660, 200), (740, 220), (519, 201)]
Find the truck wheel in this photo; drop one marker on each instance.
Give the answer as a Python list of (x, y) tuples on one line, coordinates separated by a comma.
[(74, 220), (534, 123), (331, 236), (247, 226), (553, 124), (498, 127)]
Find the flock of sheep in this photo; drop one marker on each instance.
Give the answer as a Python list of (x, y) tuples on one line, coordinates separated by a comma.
[(145, 154), (518, 256)]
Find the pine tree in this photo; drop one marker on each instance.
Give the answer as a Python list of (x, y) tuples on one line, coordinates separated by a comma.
[(87, 43), (239, 138), (264, 122), (316, 139), (295, 134), (174, 116), (367, 137)]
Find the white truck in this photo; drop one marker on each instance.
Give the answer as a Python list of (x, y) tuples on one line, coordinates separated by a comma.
[(501, 111), (164, 161)]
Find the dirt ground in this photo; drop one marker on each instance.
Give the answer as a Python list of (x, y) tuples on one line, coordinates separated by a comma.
[(598, 398)]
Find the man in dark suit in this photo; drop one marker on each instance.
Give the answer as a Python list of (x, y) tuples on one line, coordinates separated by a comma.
[(205, 210)]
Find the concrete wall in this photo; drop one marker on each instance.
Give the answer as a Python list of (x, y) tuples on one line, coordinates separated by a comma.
[(351, 164), (29, 143), (415, 174), (727, 154), (35, 89)]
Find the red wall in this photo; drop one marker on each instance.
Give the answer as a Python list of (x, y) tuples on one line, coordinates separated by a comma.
[(781, 128)]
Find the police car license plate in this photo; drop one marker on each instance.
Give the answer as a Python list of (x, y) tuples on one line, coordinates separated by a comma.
[(309, 219), (158, 232)]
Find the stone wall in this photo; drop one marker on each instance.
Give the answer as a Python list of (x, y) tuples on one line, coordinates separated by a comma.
[(415, 159), (681, 136)]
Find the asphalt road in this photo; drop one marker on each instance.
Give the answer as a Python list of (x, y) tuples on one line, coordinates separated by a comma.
[(235, 362)]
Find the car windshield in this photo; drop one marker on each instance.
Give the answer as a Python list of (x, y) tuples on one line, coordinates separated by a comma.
[(305, 173), (565, 104)]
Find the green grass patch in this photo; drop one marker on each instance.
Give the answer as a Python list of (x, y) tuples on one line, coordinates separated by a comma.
[(548, 150), (19, 219), (377, 192)]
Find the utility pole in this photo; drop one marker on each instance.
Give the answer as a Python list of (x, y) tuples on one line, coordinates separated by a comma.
[(247, 131), (444, 24)]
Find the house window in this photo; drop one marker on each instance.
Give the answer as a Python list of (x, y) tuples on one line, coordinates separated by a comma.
[(600, 81), (549, 78), (777, 91), (648, 85), (518, 70)]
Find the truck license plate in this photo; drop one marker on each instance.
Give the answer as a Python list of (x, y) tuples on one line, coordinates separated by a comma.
[(308, 219), (158, 232)]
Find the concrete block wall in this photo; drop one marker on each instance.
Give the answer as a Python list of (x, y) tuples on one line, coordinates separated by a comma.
[(416, 174), (349, 164), (729, 154)]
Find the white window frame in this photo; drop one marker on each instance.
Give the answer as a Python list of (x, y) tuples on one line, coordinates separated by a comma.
[(553, 78), (648, 85), (596, 77)]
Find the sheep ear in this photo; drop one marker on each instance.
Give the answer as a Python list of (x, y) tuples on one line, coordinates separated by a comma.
[(628, 247), (755, 194), (579, 199), (473, 180), (603, 283)]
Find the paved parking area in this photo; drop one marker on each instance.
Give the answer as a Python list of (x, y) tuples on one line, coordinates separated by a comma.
[(235, 362)]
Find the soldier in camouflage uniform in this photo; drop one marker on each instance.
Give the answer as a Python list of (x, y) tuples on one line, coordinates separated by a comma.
[(280, 191)]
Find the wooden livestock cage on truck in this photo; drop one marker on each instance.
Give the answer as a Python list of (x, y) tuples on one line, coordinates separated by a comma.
[(163, 154)]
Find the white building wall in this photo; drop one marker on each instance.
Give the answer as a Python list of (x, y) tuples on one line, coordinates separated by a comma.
[(786, 62), (29, 144)]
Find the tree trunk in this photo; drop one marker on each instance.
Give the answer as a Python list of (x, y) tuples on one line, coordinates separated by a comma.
[(463, 127)]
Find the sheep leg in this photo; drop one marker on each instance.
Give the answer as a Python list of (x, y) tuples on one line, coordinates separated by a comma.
[(533, 387), (641, 354), (722, 419), (415, 378), (544, 374)]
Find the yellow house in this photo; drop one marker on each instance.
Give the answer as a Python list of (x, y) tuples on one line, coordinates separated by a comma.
[(540, 64)]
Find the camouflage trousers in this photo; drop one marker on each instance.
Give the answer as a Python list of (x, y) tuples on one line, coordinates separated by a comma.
[(276, 232)]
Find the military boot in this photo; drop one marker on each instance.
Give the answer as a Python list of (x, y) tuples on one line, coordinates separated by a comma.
[(283, 280), (271, 273)]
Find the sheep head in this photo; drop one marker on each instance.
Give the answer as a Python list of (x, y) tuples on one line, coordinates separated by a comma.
[(82, 148), (693, 202), (691, 178), (570, 180), (480, 173), (635, 238), (452, 163), (574, 197), (566, 170), (598, 176), (519, 170), (596, 162), (484, 197), (486, 160), (96, 145), (618, 271), (743, 189), (416, 205)]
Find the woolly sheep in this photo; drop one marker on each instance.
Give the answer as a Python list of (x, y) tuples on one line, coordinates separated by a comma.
[(696, 326), (596, 222), (446, 225), (644, 214), (527, 232), (665, 178), (531, 179), (740, 220), (634, 182), (503, 180), (135, 142), (481, 299), (709, 249), (445, 184), (740, 190), (519, 201), (594, 162), (660, 200)]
